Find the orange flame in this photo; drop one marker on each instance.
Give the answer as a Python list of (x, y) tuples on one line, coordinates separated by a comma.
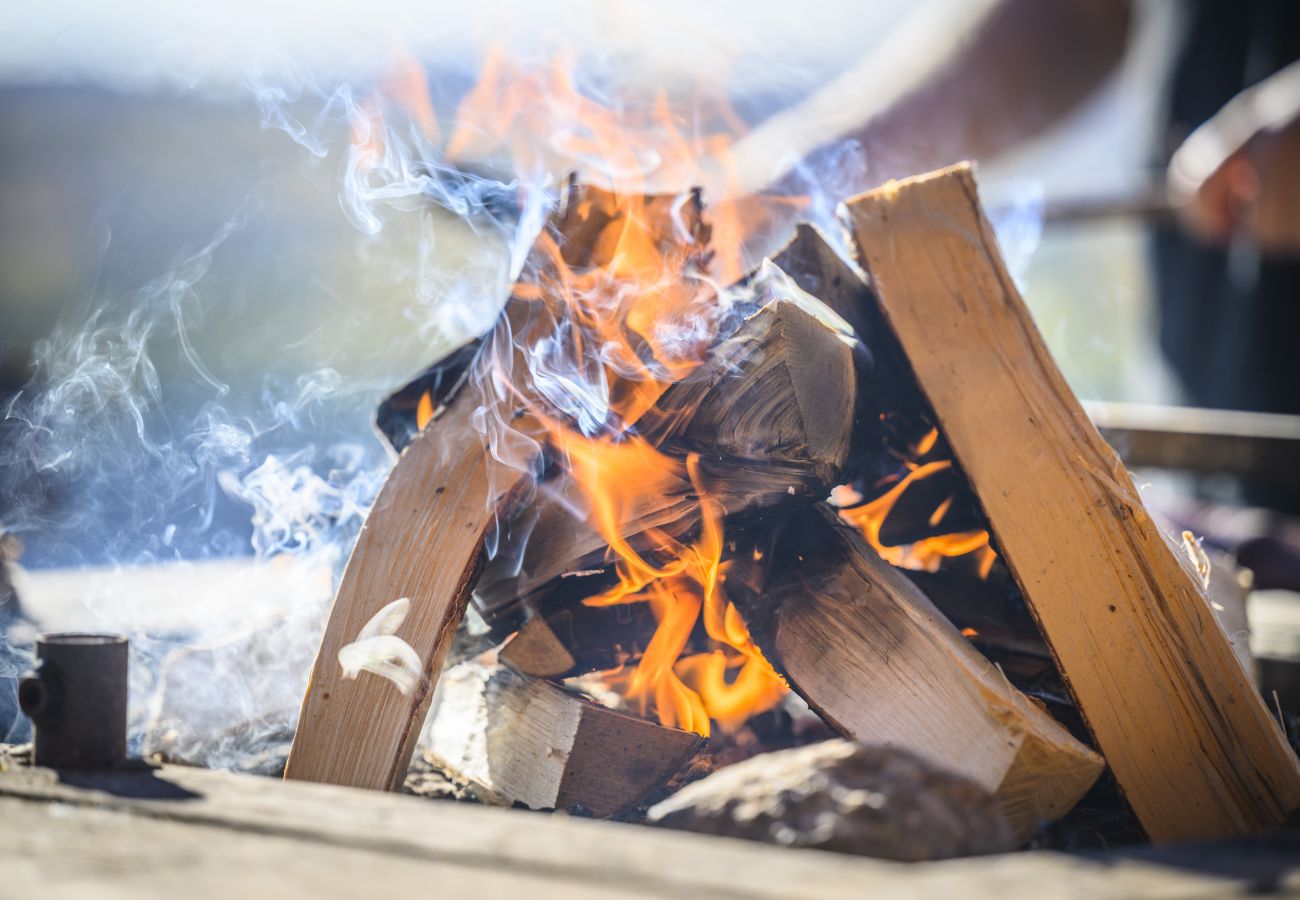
[(927, 553), (686, 692), (622, 283)]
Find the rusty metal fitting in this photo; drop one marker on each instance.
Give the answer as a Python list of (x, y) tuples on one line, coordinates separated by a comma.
[(76, 698)]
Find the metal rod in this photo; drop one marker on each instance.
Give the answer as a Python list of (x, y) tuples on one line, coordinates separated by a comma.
[(1150, 203)]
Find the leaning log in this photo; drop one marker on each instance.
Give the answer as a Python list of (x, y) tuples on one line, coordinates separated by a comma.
[(423, 540), (867, 650), (1190, 741)]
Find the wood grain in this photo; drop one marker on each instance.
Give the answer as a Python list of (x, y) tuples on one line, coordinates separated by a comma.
[(207, 835), (868, 651), (1180, 723), (770, 412), (528, 741), (423, 539)]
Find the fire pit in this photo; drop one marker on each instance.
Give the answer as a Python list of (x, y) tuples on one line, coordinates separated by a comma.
[(632, 438)]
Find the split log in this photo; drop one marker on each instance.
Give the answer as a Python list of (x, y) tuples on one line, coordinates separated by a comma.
[(770, 412), (811, 261), (780, 390), (1191, 743), (423, 540), (870, 653), (521, 740)]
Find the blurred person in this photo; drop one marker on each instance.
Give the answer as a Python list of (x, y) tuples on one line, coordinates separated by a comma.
[(976, 78)]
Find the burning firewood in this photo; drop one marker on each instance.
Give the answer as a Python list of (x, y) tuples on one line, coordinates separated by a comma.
[(423, 544), (769, 412), (1191, 743), (573, 640), (881, 664), (819, 270), (424, 540), (522, 740)]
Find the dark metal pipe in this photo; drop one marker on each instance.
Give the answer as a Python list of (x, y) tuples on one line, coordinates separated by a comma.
[(76, 699)]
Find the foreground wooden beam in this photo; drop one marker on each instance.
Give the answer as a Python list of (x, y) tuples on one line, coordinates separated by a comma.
[(1189, 740), (869, 652), (138, 833), (526, 741)]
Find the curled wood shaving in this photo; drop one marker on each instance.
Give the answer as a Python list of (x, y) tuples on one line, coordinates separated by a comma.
[(378, 650)]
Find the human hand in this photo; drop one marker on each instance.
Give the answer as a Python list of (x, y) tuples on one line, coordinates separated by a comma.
[(1239, 173)]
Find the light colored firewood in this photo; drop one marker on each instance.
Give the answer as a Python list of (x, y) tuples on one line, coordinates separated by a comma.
[(423, 540), (521, 740), (869, 652), (1191, 743)]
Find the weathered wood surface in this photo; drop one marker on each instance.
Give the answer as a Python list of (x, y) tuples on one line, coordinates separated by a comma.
[(1176, 716), (869, 652), (182, 832), (422, 540), (528, 741)]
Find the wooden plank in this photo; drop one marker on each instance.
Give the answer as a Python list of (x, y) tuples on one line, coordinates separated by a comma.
[(178, 831), (1176, 716), (869, 652), (549, 854), (423, 540), (531, 742)]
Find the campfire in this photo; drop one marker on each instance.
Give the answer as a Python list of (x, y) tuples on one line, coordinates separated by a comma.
[(703, 507)]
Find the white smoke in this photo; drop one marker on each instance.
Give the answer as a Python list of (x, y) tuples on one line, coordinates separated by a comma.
[(152, 470)]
